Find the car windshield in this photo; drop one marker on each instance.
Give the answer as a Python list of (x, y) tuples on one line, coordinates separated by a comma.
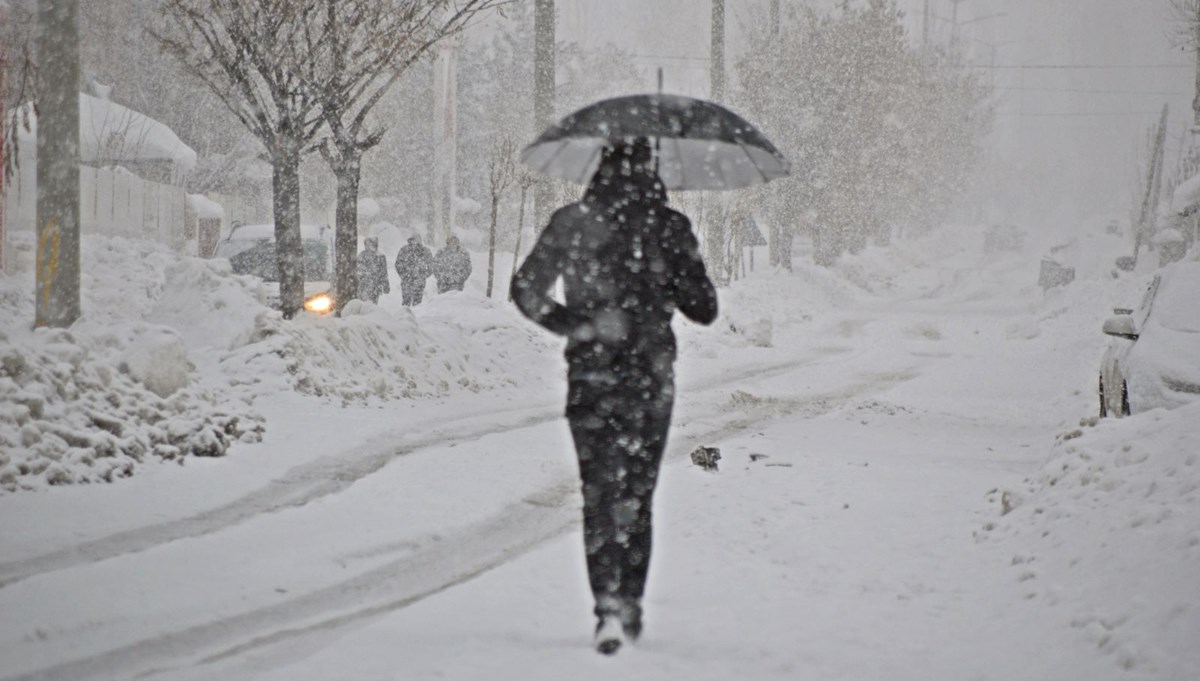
[(257, 257), (1177, 306)]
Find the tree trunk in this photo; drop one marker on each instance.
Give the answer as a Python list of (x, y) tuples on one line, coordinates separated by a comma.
[(345, 242), (714, 242), (717, 52), (289, 248), (543, 96), (825, 249), (517, 248), (492, 244), (57, 279)]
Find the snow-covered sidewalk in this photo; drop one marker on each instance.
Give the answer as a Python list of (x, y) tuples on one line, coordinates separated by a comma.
[(906, 492)]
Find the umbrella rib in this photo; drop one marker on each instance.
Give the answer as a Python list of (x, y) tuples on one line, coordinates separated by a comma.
[(595, 153), (563, 144), (755, 164), (679, 153)]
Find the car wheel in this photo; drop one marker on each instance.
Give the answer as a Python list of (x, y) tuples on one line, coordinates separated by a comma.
[(1103, 400), (1125, 411)]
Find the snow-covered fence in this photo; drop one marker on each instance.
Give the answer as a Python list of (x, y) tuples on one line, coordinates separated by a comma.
[(112, 201)]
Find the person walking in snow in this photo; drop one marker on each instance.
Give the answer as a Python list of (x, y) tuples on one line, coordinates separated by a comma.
[(414, 264), (451, 266), (372, 272), (627, 262)]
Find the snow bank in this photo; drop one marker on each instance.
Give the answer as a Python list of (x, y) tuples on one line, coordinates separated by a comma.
[(88, 408), (89, 403), (172, 352), (373, 354), (1107, 531)]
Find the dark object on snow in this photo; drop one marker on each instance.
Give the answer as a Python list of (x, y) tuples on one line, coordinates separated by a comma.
[(706, 457), (414, 264), (1126, 263), (627, 262), (1054, 273), (700, 144), (372, 272), (451, 266)]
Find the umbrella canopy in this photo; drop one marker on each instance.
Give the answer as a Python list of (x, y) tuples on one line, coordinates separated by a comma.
[(701, 145)]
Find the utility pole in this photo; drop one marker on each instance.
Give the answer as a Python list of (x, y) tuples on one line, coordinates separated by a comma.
[(445, 137), (1196, 99), (57, 279), (717, 56), (3, 99), (925, 25), (714, 232), (543, 96), (954, 22)]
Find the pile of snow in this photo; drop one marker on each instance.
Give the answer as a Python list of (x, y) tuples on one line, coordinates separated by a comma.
[(459, 343), (89, 403), (1111, 495), (172, 353), (89, 408)]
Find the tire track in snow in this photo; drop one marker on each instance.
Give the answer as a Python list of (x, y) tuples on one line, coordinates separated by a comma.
[(459, 557), (329, 475)]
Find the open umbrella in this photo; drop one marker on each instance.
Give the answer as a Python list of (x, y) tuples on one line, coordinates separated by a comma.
[(701, 145)]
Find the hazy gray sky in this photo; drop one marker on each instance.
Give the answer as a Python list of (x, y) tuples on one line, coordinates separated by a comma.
[(1078, 81)]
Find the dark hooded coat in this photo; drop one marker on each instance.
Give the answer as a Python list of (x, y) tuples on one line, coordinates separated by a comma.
[(627, 262)]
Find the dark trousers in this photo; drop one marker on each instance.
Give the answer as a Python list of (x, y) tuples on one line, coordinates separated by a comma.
[(619, 418), (412, 291)]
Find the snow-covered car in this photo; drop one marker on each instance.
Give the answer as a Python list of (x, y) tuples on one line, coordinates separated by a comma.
[(250, 249), (1153, 359)]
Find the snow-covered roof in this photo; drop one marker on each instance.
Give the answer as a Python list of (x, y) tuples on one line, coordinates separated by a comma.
[(206, 208), (1186, 194), (111, 132)]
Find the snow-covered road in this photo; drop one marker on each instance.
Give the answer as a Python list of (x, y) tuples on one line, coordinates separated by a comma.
[(854, 530)]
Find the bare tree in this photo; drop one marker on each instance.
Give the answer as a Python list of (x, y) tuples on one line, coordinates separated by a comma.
[(359, 49), (246, 52), (525, 180), (17, 84), (503, 172)]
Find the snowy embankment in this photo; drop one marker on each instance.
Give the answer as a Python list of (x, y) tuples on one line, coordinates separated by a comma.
[(90, 403), (172, 354), (912, 487), (1108, 531)]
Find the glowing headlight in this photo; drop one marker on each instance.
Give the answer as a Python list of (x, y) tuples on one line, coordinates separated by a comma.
[(320, 303)]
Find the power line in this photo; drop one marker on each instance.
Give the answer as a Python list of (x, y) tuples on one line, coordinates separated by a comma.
[(1082, 66), (1093, 92), (1079, 114)]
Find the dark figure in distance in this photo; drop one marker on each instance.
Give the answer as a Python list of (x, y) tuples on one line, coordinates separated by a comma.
[(414, 264), (627, 262), (451, 266), (372, 272)]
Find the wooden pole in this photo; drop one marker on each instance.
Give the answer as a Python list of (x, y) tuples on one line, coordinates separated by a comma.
[(57, 278)]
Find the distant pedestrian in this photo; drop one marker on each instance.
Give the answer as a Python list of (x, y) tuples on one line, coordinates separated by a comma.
[(414, 264), (451, 266), (372, 272), (627, 262)]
